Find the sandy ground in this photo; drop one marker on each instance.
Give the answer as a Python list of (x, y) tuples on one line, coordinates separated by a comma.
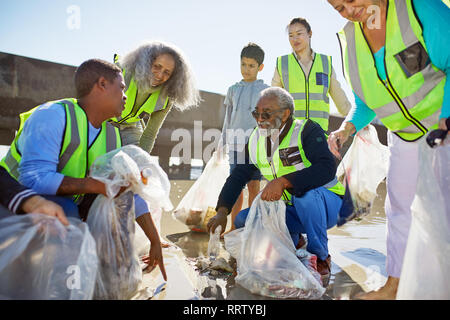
[(357, 249)]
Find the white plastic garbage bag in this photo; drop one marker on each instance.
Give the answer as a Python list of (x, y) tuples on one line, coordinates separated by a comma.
[(198, 205), (132, 165), (214, 244), (266, 257), (41, 259), (364, 165), (112, 220), (427, 256)]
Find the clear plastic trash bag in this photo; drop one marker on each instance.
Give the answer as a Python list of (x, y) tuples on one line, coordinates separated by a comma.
[(198, 204), (41, 259), (266, 256), (214, 244), (130, 165), (363, 167), (427, 256), (112, 220)]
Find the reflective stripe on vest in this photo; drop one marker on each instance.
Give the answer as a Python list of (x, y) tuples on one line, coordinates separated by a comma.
[(272, 168), (311, 97), (407, 103)]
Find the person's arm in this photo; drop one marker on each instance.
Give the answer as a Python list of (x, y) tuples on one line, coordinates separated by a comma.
[(20, 200), (228, 111), (230, 192), (71, 186), (338, 95), (276, 79), (323, 165), (13, 194), (435, 19), (40, 144), (155, 256), (151, 130)]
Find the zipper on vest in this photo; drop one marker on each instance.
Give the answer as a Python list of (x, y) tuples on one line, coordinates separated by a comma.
[(389, 87), (131, 114), (306, 83), (274, 174)]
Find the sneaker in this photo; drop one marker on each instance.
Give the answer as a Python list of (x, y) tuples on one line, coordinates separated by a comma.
[(324, 268)]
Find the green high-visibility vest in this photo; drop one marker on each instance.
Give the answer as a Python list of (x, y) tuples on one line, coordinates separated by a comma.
[(75, 157), (409, 101), (310, 93), (274, 168), (133, 113)]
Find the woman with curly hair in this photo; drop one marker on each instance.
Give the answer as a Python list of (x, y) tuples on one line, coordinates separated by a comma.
[(157, 78)]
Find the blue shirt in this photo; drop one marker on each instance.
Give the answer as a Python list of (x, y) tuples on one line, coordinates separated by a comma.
[(435, 19), (40, 145), (240, 101)]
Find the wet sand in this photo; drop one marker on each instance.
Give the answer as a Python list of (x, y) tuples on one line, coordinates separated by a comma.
[(357, 249)]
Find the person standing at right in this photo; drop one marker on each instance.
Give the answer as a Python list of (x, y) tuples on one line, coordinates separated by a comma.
[(309, 77), (397, 63)]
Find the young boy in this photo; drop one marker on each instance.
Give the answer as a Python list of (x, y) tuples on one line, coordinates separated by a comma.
[(241, 99)]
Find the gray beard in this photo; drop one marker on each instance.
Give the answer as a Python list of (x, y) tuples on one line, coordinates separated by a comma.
[(271, 130)]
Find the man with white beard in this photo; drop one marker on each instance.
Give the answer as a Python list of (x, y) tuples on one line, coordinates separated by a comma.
[(293, 156)]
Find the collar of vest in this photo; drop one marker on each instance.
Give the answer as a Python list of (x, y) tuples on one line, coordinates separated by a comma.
[(282, 135)]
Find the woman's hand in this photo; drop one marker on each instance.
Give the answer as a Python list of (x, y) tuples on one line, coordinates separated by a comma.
[(339, 137)]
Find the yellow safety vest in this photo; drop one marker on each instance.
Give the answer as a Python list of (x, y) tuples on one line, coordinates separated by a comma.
[(275, 168), (76, 156), (310, 93), (409, 101), (131, 113)]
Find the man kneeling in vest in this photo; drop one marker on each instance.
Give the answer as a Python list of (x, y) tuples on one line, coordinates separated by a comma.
[(59, 140), (294, 156)]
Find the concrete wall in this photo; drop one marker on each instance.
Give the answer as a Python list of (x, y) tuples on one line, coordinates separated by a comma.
[(26, 83)]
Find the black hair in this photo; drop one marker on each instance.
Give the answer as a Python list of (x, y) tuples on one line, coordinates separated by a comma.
[(88, 73), (300, 21), (253, 51)]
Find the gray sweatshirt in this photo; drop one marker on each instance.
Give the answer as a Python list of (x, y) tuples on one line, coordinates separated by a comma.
[(241, 99)]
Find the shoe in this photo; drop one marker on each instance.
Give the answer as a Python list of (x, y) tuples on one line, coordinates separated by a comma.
[(324, 268), (301, 242)]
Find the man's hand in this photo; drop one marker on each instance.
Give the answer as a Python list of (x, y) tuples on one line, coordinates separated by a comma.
[(274, 189), (37, 204), (220, 219), (155, 258)]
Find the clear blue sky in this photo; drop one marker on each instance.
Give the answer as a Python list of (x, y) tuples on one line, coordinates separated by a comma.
[(210, 32)]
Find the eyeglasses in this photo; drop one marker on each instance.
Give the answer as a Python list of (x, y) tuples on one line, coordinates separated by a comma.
[(264, 115)]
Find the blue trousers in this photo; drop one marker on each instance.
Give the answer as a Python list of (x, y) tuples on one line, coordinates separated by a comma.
[(313, 213)]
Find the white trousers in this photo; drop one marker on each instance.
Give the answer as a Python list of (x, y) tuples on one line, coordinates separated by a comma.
[(401, 184)]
